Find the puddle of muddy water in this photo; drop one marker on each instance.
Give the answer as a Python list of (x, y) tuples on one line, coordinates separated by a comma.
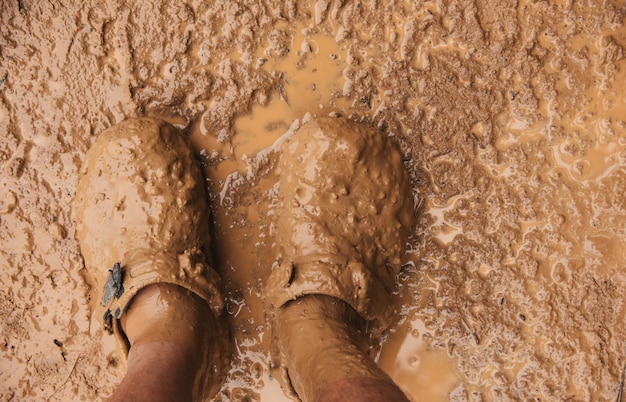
[(420, 370)]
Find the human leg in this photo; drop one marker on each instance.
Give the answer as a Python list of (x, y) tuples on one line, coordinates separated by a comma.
[(166, 326), (324, 344)]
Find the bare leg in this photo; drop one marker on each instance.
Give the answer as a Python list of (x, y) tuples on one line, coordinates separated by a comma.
[(167, 326), (334, 364)]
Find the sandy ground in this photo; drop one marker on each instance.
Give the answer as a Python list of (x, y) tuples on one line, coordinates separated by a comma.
[(512, 119)]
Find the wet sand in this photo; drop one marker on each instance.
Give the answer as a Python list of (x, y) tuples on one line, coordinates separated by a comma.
[(512, 120)]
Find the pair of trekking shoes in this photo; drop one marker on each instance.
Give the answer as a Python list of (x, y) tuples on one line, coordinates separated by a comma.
[(345, 211)]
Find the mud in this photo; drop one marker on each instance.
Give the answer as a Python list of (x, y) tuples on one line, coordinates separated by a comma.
[(340, 226), (344, 211), (139, 192), (510, 117)]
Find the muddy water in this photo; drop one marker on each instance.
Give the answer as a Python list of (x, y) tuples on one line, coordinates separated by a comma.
[(511, 118)]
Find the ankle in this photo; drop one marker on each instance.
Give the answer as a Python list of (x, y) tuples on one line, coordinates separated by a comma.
[(167, 317), (166, 312), (335, 339), (170, 331)]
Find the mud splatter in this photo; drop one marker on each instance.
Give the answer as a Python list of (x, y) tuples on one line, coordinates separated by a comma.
[(510, 118)]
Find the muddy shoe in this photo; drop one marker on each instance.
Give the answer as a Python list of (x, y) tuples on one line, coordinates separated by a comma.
[(345, 211), (142, 218)]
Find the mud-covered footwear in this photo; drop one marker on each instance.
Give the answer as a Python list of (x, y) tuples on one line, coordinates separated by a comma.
[(345, 211), (142, 218)]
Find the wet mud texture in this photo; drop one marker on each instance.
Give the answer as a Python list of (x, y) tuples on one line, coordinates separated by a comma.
[(511, 117)]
